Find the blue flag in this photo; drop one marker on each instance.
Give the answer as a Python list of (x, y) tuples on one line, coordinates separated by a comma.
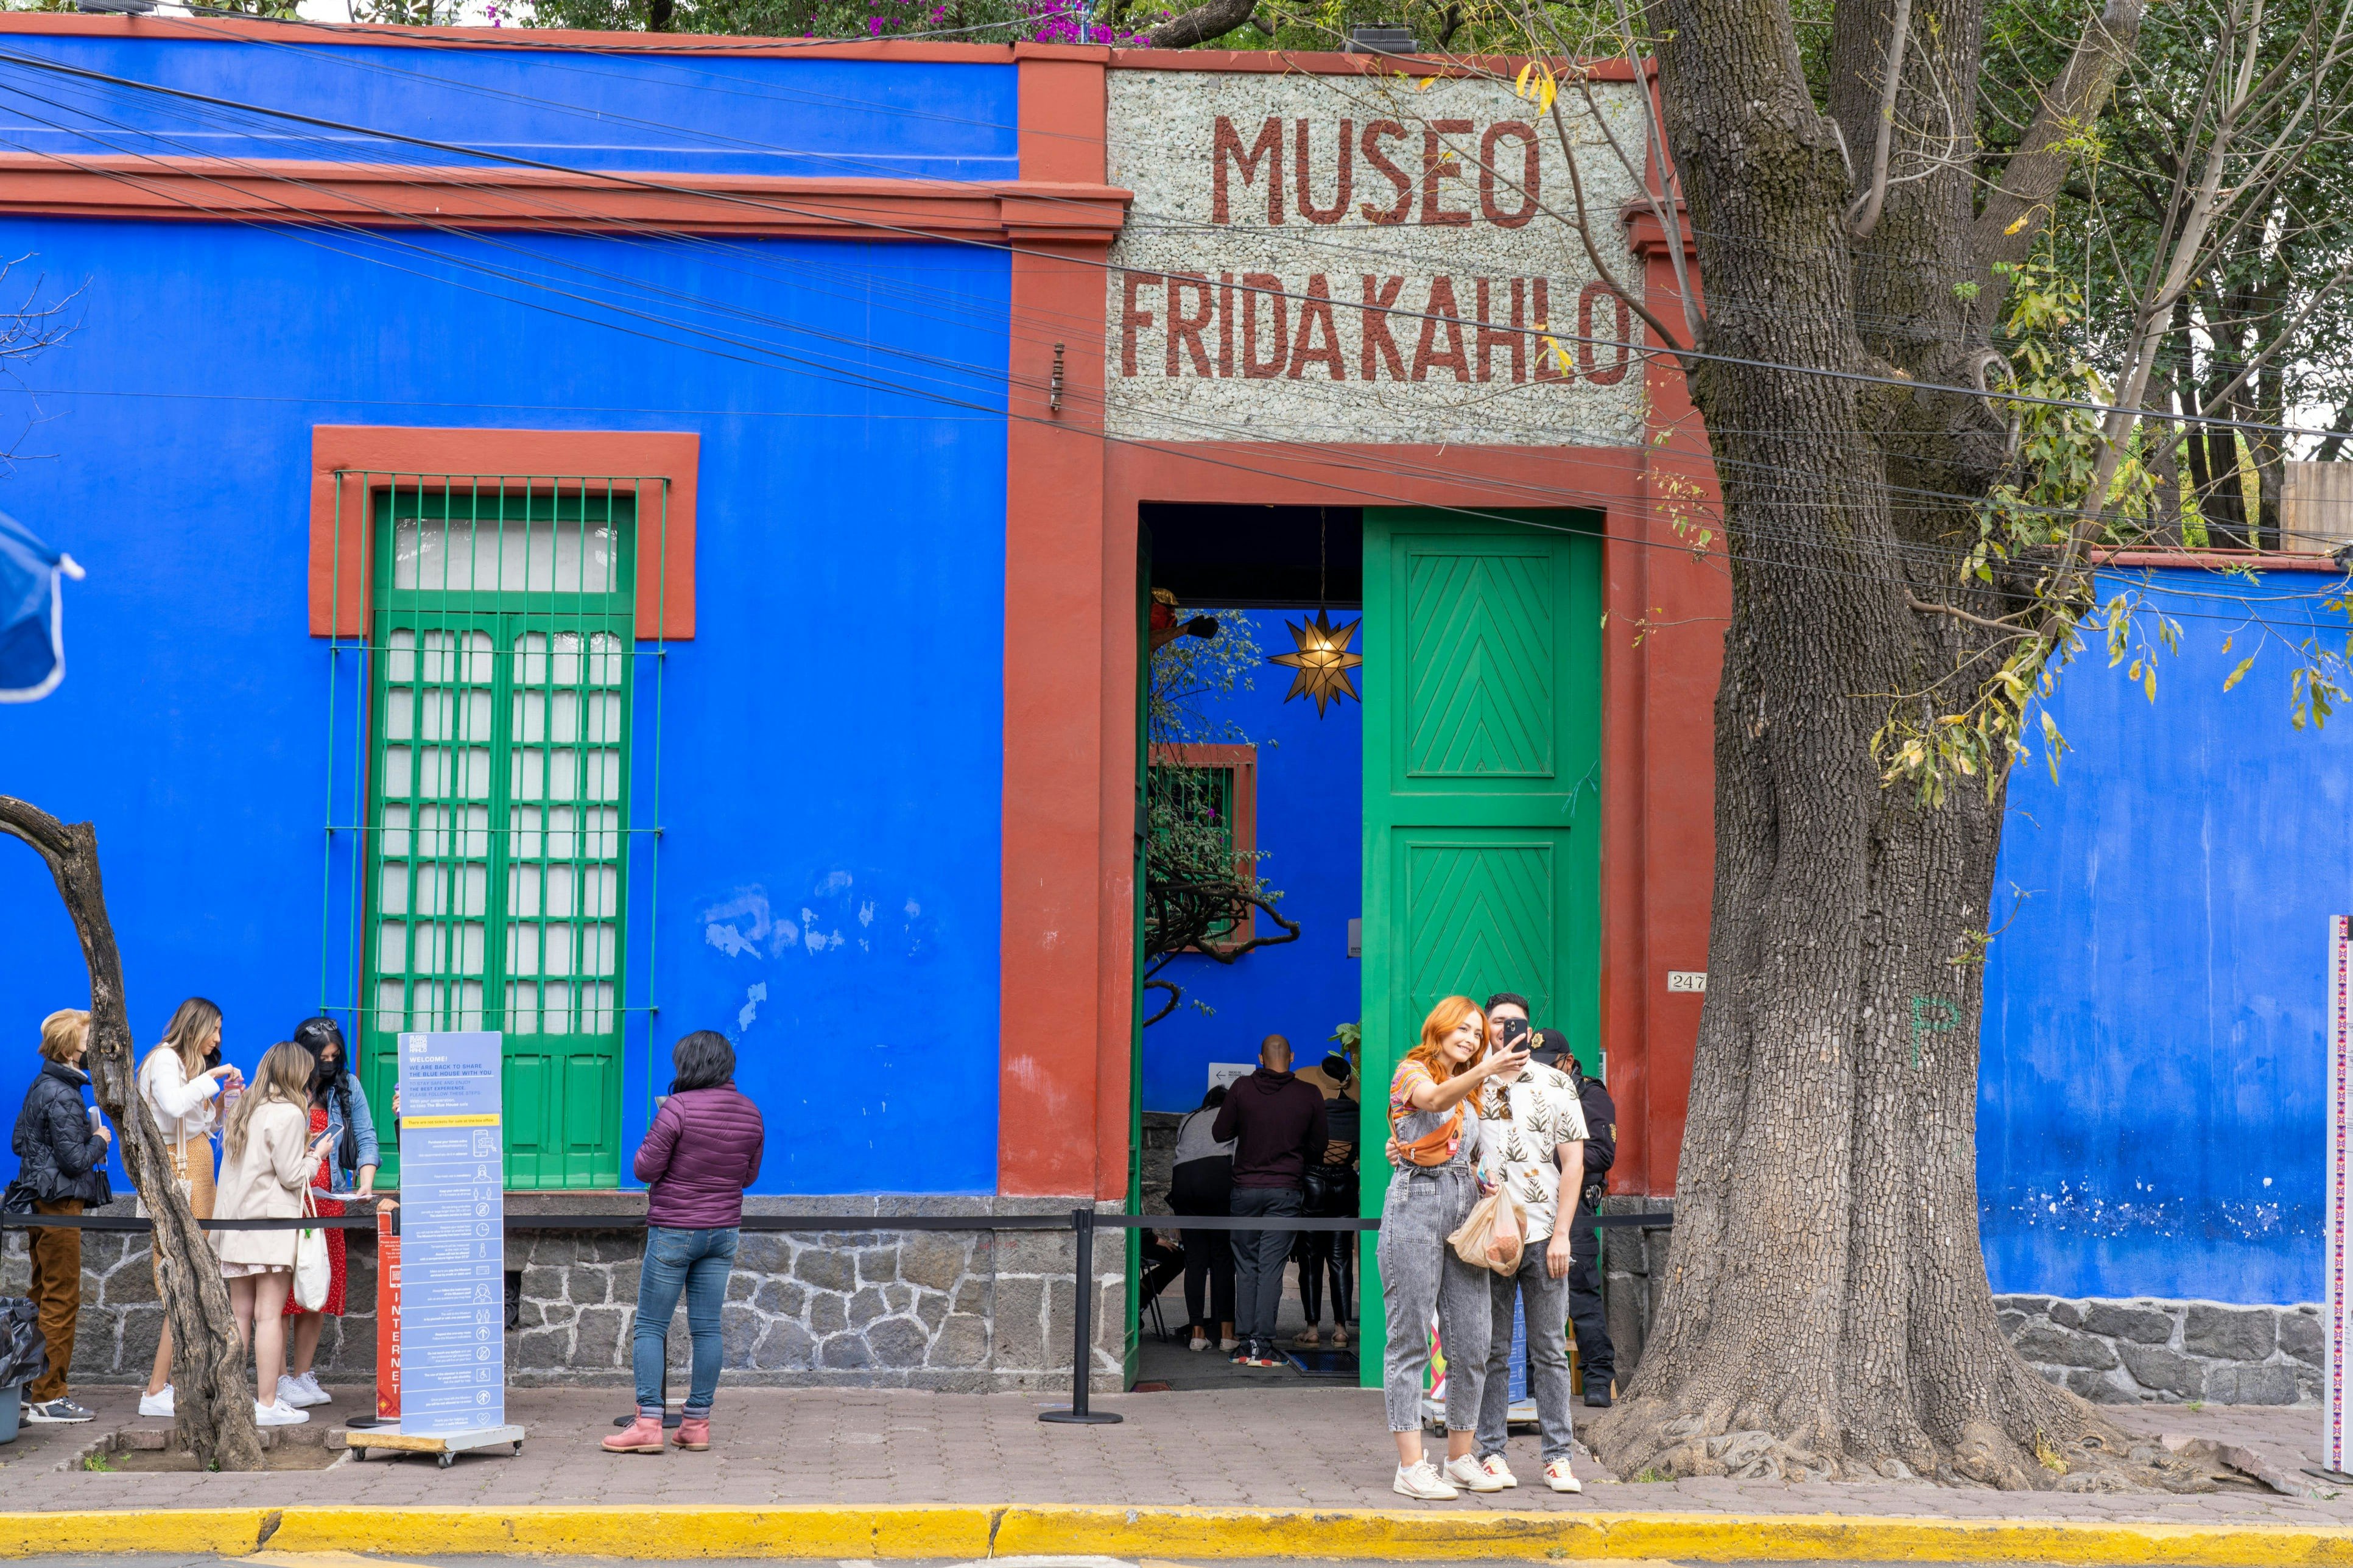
[(32, 613)]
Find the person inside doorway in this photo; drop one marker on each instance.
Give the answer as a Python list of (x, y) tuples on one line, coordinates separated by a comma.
[(1278, 1129), (1201, 1181), (1532, 1144), (1331, 1194), (1597, 1357)]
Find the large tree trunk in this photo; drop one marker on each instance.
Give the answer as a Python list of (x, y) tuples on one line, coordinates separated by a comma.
[(212, 1394), (1826, 1312)]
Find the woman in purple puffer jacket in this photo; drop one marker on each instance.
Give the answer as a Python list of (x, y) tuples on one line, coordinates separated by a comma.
[(700, 1155)]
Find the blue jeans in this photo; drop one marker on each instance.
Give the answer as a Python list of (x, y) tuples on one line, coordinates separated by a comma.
[(696, 1262)]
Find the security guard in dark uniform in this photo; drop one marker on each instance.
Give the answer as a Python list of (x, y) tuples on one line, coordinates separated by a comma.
[(1594, 1354)]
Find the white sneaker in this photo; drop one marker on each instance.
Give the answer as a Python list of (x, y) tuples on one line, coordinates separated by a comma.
[(1498, 1470), (158, 1404), (1467, 1473), (1558, 1476), (279, 1414), (1421, 1481), (1198, 1343), (1228, 1346), (292, 1395)]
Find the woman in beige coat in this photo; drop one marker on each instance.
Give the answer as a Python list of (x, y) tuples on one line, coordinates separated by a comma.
[(267, 1161)]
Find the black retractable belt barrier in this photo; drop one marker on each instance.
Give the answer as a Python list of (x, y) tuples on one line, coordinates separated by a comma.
[(1083, 1223)]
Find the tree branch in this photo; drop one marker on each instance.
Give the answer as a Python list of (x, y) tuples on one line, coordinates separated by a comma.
[(1931, 607), (2017, 207), (1198, 26), (214, 1395), (1863, 217)]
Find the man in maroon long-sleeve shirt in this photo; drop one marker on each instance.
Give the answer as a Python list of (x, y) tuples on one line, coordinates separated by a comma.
[(1278, 1127)]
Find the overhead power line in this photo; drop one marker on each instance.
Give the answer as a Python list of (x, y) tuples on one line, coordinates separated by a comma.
[(36, 62)]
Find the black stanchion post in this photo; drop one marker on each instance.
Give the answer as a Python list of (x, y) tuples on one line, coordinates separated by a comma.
[(1082, 1315)]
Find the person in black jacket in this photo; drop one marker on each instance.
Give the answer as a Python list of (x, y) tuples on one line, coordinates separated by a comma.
[(62, 1150), (1594, 1354), (1278, 1127)]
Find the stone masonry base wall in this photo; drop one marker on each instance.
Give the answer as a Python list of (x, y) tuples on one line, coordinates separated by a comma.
[(957, 1311), (2112, 1352), (982, 1310), (2148, 1352)]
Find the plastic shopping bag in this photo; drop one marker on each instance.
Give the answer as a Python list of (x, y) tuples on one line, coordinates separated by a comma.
[(1490, 1238)]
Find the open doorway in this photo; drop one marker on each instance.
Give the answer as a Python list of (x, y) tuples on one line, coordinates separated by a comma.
[(1243, 762), (1442, 838)]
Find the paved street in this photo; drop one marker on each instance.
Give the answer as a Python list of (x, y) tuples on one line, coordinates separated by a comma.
[(1282, 1447), (351, 1559)]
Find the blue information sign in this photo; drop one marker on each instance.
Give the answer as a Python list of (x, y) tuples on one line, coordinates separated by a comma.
[(452, 1236)]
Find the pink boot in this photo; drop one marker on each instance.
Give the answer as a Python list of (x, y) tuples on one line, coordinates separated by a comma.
[(695, 1432), (643, 1435)]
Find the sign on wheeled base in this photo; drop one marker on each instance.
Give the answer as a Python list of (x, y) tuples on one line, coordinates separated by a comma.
[(446, 1445)]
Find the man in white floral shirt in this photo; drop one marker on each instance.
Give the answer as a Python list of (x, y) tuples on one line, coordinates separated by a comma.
[(1532, 1142)]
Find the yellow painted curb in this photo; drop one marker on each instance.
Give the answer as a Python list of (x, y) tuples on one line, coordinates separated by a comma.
[(965, 1532), (228, 1530)]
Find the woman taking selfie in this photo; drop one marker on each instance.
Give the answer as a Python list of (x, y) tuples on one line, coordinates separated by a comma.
[(184, 1096), (266, 1165), (1431, 1195), (702, 1149)]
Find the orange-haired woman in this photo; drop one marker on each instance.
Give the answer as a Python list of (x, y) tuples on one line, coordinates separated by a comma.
[(1434, 1123)]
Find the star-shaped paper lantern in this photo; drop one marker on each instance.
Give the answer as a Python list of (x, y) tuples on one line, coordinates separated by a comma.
[(1323, 660)]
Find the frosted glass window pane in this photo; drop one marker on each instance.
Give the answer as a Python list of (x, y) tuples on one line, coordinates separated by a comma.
[(522, 1008), (465, 555), (389, 1016)]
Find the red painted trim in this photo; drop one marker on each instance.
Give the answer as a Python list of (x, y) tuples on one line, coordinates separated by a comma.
[(1649, 236), (1067, 936), (1294, 62), (2219, 560), (232, 30), (339, 533), (1243, 761), (404, 195), (1668, 607)]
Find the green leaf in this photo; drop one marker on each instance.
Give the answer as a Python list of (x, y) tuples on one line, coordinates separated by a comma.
[(2240, 673)]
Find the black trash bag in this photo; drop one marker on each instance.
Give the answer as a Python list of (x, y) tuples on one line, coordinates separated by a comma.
[(24, 1354)]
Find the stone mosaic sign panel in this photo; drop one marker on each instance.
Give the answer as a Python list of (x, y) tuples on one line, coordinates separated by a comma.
[(1367, 258)]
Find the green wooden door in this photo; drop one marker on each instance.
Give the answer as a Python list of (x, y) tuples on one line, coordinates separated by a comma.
[(1482, 752), (498, 792)]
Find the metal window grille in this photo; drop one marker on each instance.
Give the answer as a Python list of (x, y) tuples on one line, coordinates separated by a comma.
[(1198, 789), (489, 870)]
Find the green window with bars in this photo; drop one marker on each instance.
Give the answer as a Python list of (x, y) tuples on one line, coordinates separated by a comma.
[(498, 796)]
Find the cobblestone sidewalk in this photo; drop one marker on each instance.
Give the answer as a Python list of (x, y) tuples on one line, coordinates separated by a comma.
[(1277, 1448)]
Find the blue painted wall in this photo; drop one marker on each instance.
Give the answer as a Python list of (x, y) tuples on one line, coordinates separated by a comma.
[(828, 894), (1310, 816), (2152, 1115)]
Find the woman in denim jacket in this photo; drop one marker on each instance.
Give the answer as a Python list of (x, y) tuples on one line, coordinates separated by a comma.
[(339, 1108)]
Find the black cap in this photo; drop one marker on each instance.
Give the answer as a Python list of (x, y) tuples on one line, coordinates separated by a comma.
[(1551, 1048)]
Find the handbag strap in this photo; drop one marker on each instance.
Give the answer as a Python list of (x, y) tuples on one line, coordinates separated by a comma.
[(1431, 1148)]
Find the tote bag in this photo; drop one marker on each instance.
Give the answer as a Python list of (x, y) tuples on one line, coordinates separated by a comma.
[(311, 1274)]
